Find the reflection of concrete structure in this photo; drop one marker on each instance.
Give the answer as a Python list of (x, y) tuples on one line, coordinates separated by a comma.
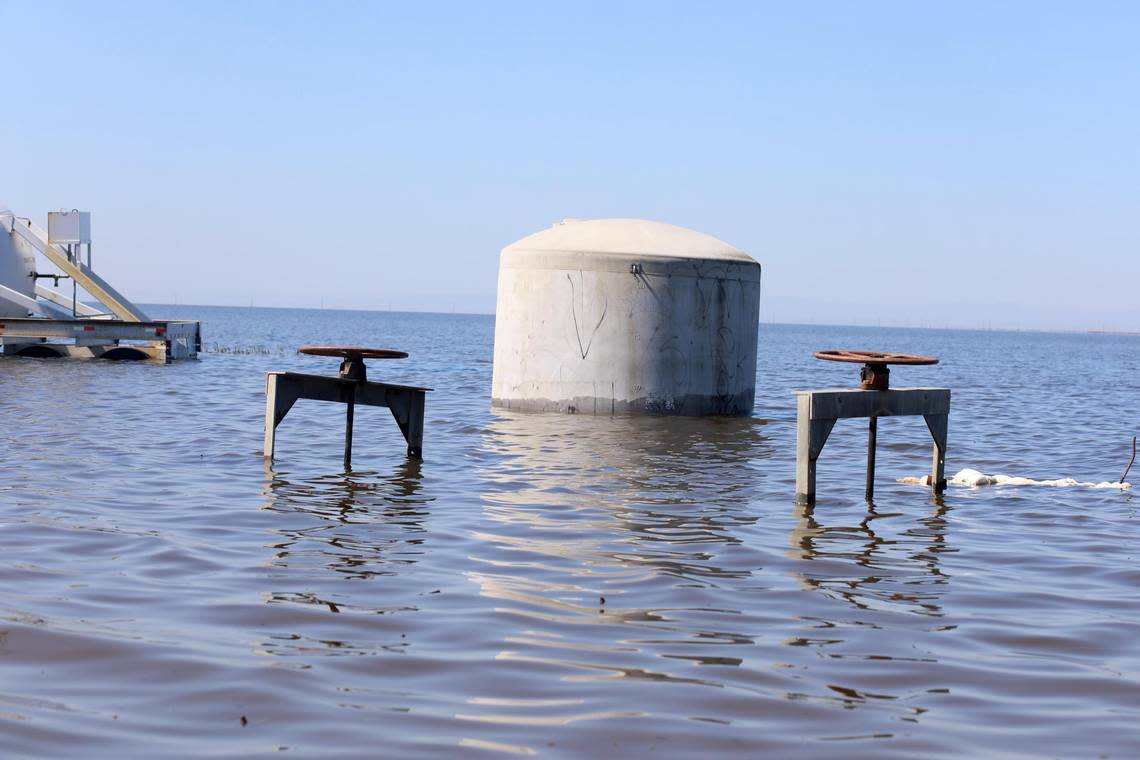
[(625, 315), (631, 521), (618, 497)]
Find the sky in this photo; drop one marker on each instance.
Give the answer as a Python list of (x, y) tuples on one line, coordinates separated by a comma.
[(920, 164)]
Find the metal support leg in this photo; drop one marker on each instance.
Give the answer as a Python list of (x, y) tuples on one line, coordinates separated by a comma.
[(872, 435), (407, 408), (270, 415), (416, 426), (350, 407), (938, 424), (811, 435), (279, 399)]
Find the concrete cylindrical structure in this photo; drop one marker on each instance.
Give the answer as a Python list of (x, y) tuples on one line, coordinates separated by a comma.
[(16, 267), (625, 315)]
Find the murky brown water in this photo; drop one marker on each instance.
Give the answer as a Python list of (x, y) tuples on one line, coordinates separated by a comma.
[(562, 586)]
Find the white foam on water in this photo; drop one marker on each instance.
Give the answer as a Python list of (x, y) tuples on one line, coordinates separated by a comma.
[(974, 478)]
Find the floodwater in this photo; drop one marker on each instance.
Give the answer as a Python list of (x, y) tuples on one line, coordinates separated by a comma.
[(558, 586)]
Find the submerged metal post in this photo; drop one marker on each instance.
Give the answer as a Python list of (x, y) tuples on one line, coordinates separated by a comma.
[(872, 435), (350, 405)]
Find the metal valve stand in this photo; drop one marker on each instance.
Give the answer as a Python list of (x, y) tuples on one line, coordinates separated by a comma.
[(818, 410), (349, 387)]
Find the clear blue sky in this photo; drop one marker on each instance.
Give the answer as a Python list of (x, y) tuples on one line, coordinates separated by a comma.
[(898, 163)]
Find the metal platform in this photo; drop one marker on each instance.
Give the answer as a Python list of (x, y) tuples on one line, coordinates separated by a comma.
[(406, 402), (817, 411), (160, 341)]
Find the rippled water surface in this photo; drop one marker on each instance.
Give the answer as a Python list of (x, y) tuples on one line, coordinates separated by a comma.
[(562, 586)]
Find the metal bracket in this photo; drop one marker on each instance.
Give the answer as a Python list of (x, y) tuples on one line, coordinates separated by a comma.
[(57, 277)]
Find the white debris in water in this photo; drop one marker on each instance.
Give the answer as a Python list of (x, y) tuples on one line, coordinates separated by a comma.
[(973, 478)]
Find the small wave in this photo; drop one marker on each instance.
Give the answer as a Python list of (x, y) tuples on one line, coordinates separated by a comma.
[(974, 478)]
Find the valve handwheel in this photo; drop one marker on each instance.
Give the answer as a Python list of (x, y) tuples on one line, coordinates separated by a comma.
[(874, 376), (352, 368)]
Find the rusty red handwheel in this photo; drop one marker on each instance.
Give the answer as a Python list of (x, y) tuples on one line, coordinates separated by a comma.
[(874, 376), (352, 368), (352, 352)]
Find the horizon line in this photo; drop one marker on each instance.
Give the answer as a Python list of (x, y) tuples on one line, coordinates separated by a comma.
[(945, 328)]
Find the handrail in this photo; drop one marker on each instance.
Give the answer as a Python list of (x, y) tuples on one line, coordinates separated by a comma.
[(25, 230)]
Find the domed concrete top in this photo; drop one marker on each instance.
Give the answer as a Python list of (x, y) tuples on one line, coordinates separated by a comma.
[(633, 237)]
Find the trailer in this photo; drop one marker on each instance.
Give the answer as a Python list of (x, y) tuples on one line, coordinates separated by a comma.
[(42, 322), (161, 341)]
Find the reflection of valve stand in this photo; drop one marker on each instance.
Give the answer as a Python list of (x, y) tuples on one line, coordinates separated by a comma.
[(858, 544), (818, 411)]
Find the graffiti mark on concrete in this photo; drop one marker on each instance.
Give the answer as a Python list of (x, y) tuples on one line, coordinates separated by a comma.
[(584, 350)]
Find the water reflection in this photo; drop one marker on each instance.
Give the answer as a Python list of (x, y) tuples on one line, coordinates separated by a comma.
[(627, 496), (343, 495), (616, 544), (866, 566), (343, 527)]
